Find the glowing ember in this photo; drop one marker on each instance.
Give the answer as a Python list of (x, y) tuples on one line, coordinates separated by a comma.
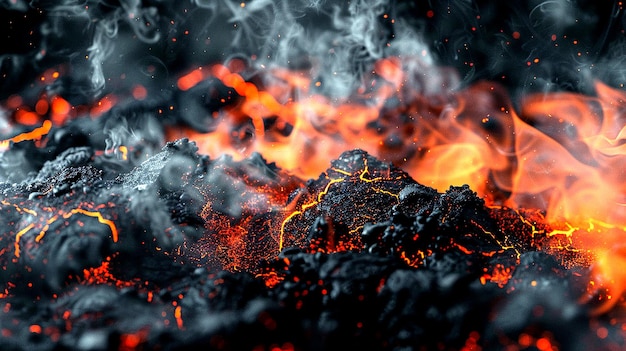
[(35, 134), (559, 153), (441, 210)]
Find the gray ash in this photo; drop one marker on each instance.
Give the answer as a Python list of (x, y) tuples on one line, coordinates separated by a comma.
[(126, 263), (114, 238)]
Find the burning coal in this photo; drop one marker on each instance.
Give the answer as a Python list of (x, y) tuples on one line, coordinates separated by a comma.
[(307, 175)]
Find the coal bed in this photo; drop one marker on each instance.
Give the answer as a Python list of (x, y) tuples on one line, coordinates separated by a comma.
[(312, 175)]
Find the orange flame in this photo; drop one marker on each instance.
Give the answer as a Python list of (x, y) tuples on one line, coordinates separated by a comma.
[(438, 133), (561, 152)]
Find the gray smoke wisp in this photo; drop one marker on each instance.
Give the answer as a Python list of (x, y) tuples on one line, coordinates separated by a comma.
[(109, 47)]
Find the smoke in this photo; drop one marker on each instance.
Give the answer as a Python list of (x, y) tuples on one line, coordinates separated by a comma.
[(15, 5), (97, 54), (336, 43), (535, 46), (109, 46)]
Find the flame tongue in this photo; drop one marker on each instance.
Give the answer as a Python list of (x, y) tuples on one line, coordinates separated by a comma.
[(561, 154), (583, 153), (303, 131)]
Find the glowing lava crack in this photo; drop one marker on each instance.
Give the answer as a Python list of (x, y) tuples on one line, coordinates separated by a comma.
[(182, 241)]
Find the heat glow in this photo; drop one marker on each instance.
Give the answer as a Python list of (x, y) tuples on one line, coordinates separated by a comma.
[(562, 153)]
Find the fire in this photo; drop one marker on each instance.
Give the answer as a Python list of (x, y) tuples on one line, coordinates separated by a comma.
[(329, 180), (434, 132), (574, 151), (558, 152), (562, 153), (316, 125), (35, 134)]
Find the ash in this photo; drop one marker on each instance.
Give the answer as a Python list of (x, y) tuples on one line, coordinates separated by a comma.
[(371, 259), (112, 241)]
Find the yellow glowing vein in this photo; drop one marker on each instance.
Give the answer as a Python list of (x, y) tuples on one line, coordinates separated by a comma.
[(332, 181), (42, 233), (303, 208)]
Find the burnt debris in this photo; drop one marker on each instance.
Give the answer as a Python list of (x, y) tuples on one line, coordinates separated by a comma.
[(111, 240), (184, 251)]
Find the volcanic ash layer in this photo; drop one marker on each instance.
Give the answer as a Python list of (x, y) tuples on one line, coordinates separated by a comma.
[(184, 251)]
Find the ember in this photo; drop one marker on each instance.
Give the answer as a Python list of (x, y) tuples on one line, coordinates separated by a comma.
[(302, 175)]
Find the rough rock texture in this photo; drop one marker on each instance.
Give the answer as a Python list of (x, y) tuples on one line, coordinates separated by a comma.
[(183, 251)]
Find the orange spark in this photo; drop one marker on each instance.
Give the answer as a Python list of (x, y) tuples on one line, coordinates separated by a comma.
[(190, 80), (18, 236), (25, 117), (178, 314)]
